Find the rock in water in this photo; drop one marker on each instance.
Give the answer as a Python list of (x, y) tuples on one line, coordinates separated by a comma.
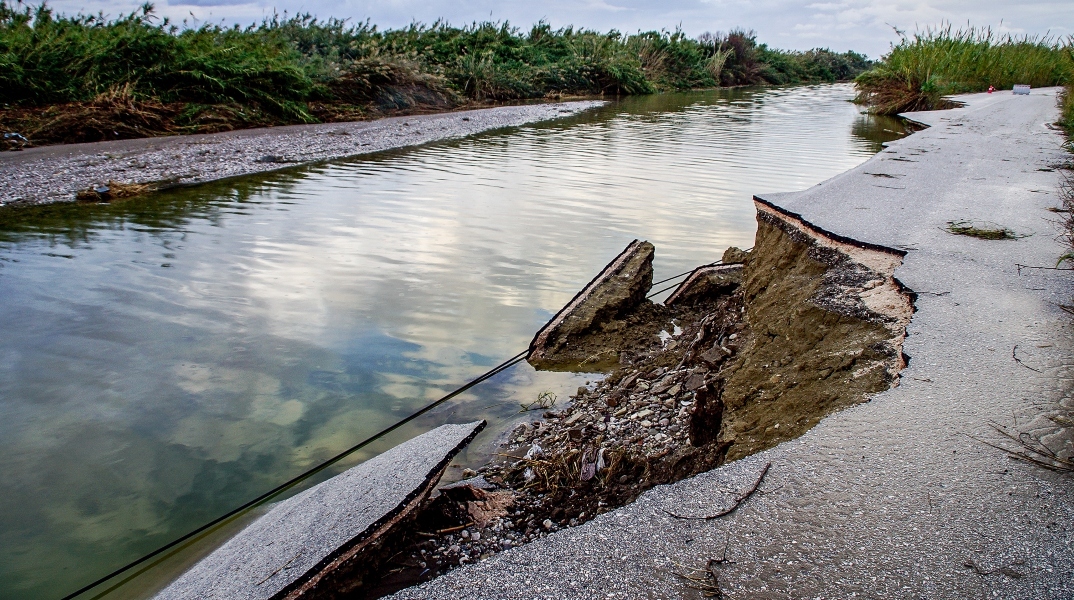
[(617, 290)]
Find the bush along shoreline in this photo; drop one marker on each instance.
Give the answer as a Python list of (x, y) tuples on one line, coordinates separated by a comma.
[(924, 68), (82, 78)]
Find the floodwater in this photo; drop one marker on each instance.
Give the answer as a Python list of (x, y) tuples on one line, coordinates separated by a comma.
[(165, 359)]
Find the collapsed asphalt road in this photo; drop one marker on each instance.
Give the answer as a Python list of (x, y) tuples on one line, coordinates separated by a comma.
[(894, 498)]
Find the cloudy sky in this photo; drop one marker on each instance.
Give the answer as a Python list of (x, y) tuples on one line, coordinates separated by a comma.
[(862, 25)]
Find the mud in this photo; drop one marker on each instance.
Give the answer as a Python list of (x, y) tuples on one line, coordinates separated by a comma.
[(816, 324)]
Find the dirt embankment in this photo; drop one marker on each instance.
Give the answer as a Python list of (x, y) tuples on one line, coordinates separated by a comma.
[(741, 361), (826, 320)]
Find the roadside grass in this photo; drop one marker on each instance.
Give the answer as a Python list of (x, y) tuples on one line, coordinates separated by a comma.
[(983, 231), (922, 69), (90, 77), (1066, 110)]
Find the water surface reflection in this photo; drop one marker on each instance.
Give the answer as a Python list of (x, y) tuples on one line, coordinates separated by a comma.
[(165, 359)]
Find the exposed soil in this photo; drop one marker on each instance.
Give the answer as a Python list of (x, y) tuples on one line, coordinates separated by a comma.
[(817, 325)]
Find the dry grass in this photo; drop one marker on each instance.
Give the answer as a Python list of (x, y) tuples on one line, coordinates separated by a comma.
[(113, 190), (113, 115), (1032, 449), (1066, 109), (1066, 199), (984, 231)]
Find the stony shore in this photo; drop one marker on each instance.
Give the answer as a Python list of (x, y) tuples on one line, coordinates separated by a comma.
[(893, 498), (58, 173)]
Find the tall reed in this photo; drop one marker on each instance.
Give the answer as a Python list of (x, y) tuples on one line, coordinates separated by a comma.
[(84, 78), (1066, 110), (922, 69)]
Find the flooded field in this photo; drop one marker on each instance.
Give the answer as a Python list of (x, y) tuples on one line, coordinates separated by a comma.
[(165, 359)]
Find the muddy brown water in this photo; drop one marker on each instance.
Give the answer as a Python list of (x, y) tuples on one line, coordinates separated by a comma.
[(167, 358)]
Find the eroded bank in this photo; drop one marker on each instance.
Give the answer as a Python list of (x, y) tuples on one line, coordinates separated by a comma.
[(893, 497), (745, 354)]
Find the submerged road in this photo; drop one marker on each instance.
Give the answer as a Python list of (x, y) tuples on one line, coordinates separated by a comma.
[(893, 498)]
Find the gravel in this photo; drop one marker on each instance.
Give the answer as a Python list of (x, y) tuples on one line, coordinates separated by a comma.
[(57, 173)]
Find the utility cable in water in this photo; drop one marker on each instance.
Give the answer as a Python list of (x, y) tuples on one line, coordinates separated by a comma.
[(303, 476), (324, 465)]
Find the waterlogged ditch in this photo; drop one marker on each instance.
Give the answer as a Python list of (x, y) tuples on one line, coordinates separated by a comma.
[(166, 359), (764, 346)]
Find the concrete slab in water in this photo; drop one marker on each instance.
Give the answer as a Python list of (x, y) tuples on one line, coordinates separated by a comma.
[(620, 287), (707, 281), (306, 537)]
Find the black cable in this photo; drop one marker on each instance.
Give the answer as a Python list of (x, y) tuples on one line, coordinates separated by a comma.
[(670, 287), (299, 478), (324, 465), (673, 277)]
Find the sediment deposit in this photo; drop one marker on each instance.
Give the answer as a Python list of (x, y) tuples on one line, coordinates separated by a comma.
[(58, 173)]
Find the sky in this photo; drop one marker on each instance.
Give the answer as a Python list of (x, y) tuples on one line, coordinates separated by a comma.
[(866, 26)]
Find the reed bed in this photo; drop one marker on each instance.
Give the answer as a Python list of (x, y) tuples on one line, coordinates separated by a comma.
[(86, 77), (1066, 109), (924, 68)]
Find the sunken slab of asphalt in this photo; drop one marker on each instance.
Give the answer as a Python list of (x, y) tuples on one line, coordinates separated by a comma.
[(57, 173), (310, 534), (892, 498)]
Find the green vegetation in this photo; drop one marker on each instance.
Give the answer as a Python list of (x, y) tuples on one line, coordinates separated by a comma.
[(1066, 109), (85, 78), (921, 70)]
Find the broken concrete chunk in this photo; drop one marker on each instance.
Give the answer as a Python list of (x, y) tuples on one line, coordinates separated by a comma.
[(617, 290), (328, 534), (706, 283), (714, 356), (574, 418), (695, 381), (662, 387)]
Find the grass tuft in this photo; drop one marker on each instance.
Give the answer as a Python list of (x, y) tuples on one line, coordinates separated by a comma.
[(981, 231), (1066, 109), (113, 190)]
